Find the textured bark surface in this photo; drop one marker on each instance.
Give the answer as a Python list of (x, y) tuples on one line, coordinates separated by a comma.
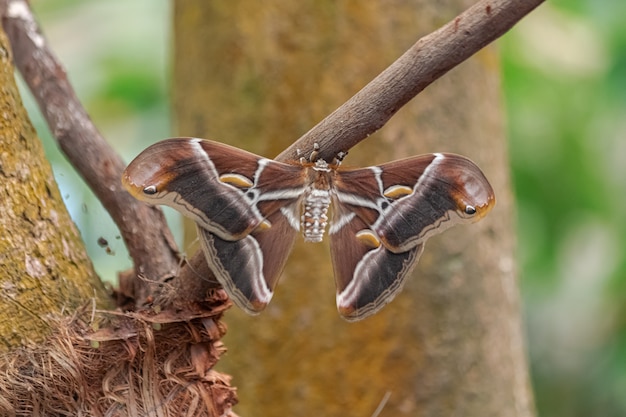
[(143, 228), (44, 268), (259, 75)]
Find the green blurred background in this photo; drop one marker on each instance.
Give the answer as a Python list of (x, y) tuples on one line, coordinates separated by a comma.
[(564, 74)]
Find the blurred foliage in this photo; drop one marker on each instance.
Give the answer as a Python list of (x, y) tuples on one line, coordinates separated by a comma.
[(564, 77), (565, 90)]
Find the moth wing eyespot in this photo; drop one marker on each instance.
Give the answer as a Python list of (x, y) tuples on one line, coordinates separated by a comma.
[(265, 225), (150, 190), (397, 191), (368, 238), (470, 210), (236, 180)]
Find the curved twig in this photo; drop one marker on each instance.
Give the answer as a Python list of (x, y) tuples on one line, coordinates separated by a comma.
[(427, 60)]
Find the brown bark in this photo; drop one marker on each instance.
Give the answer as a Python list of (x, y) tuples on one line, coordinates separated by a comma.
[(44, 268), (257, 75)]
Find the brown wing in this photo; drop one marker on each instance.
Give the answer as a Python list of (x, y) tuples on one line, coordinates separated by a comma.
[(384, 215), (246, 208), (367, 274), (226, 190), (407, 201), (249, 268)]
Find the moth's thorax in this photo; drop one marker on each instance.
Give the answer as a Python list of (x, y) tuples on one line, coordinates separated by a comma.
[(315, 205)]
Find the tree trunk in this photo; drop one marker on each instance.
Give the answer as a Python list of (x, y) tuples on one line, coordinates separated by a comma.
[(260, 74), (44, 267)]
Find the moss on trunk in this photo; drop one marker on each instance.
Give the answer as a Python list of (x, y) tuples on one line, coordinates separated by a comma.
[(44, 268)]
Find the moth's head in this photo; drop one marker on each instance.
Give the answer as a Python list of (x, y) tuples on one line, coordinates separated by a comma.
[(147, 177), (470, 189)]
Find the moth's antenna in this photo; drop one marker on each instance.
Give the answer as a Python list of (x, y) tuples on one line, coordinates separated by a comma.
[(300, 155), (339, 158), (315, 154)]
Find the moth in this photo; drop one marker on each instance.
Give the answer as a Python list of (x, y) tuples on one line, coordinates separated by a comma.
[(249, 211)]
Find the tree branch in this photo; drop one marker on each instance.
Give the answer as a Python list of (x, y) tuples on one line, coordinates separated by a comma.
[(143, 228), (427, 60)]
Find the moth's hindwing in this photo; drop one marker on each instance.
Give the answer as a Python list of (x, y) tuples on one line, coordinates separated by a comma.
[(367, 274), (249, 268)]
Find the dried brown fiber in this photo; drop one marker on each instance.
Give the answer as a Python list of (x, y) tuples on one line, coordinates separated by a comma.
[(135, 365)]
